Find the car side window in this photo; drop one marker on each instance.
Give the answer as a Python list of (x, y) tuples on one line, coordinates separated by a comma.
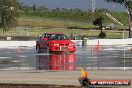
[(43, 36)]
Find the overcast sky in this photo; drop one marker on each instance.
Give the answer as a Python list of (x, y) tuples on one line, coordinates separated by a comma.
[(82, 4)]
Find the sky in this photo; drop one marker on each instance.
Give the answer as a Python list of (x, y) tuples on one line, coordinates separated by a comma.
[(82, 4)]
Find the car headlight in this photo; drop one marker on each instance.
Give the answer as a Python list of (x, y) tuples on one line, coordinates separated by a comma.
[(71, 44), (56, 44)]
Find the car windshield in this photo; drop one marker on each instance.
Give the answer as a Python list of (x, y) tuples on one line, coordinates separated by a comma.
[(57, 37)]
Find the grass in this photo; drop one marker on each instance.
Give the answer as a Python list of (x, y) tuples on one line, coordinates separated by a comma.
[(68, 19), (51, 23), (32, 33), (31, 25)]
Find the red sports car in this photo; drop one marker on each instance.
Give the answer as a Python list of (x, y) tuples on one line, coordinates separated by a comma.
[(55, 42)]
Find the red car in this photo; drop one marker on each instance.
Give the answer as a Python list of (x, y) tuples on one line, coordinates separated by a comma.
[(55, 42)]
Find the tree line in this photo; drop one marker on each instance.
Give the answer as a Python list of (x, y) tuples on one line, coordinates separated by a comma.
[(8, 12), (128, 5)]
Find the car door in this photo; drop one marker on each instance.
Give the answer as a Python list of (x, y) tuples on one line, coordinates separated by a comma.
[(43, 41)]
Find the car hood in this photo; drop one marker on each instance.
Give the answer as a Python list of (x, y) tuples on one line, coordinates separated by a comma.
[(61, 41)]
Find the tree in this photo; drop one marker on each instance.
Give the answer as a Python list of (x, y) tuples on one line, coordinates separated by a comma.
[(56, 9), (43, 8), (128, 5), (8, 10), (26, 8), (34, 7), (99, 22)]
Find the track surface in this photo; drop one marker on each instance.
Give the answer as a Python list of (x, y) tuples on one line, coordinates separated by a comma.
[(26, 58), (25, 66), (59, 77)]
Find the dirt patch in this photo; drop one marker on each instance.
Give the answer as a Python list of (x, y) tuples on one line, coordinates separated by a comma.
[(8, 85)]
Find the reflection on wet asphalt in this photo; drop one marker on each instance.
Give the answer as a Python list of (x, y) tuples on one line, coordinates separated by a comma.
[(28, 59)]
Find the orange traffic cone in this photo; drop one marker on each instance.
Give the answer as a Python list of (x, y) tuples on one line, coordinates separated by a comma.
[(18, 50)]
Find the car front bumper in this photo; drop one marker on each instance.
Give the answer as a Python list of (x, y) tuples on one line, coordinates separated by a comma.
[(63, 48)]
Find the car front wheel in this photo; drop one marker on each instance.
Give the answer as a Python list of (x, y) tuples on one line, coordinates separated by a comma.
[(38, 49)]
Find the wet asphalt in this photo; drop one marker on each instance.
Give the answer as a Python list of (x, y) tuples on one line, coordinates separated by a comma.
[(26, 58)]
